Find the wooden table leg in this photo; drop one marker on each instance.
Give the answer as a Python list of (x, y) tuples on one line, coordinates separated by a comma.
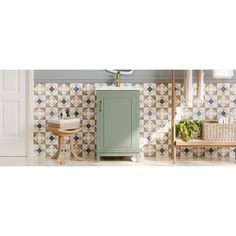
[(73, 150), (60, 157), (173, 154)]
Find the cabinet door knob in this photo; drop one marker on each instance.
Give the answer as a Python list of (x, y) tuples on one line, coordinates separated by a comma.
[(100, 105)]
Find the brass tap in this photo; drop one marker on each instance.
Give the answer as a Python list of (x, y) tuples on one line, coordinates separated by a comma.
[(118, 79)]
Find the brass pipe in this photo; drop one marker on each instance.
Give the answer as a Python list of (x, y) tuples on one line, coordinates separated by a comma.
[(118, 79)]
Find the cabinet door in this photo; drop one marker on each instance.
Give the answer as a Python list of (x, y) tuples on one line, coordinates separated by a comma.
[(117, 120)]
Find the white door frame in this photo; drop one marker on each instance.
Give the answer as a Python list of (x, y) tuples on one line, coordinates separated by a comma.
[(30, 113)]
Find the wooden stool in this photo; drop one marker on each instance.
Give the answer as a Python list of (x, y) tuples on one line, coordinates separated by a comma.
[(61, 133)]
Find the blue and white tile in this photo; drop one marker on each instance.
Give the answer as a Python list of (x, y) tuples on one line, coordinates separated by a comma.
[(162, 113), (223, 101), (88, 113), (149, 101), (39, 126), (51, 89), (39, 113), (162, 89), (76, 101), (76, 89), (223, 112), (187, 113), (162, 101), (64, 101), (51, 139), (51, 150), (78, 138), (211, 153), (186, 153), (39, 150), (63, 89), (211, 114), (88, 89), (88, 151), (149, 113), (198, 113), (149, 89), (39, 138), (223, 153), (52, 101), (88, 125), (223, 89), (211, 89), (88, 101), (39, 89), (198, 153), (162, 151), (149, 125), (149, 151), (211, 101), (52, 113), (76, 113), (162, 138), (162, 125), (39, 101), (149, 138), (89, 138)]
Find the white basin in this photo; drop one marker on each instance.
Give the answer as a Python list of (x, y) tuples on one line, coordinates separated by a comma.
[(117, 88), (64, 124)]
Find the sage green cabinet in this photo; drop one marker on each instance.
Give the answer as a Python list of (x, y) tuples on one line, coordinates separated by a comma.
[(117, 114)]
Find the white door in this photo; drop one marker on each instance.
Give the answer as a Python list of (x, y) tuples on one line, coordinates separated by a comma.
[(13, 113)]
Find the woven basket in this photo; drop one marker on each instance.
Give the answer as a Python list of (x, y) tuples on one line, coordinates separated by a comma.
[(213, 131)]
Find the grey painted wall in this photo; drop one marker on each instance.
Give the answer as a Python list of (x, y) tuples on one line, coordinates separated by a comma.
[(102, 76)]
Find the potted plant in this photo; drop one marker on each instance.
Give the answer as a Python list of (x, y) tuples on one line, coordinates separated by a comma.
[(187, 129)]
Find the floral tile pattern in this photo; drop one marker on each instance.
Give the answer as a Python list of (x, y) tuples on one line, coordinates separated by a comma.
[(155, 115)]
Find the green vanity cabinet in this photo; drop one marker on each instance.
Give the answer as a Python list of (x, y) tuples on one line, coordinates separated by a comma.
[(117, 112)]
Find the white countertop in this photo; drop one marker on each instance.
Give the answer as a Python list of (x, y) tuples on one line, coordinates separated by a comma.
[(117, 88)]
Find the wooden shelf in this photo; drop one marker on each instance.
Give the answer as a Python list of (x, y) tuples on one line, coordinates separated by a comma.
[(178, 143), (204, 143)]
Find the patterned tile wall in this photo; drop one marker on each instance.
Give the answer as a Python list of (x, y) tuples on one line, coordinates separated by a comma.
[(155, 114)]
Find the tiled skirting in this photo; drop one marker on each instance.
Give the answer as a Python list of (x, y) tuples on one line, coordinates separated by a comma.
[(155, 114)]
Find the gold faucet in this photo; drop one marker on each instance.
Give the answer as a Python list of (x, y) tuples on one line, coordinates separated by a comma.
[(118, 79)]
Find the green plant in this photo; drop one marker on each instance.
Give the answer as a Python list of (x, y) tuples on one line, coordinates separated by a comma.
[(187, 129)]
